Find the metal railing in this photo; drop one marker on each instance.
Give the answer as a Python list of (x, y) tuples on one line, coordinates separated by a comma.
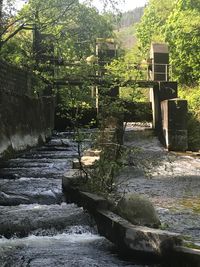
[(152, 72)]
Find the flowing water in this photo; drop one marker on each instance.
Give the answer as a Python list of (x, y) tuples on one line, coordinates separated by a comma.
[(170, 180), (37, 227)]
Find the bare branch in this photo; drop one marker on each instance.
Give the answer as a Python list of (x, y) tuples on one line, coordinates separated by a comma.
[(12, 35)]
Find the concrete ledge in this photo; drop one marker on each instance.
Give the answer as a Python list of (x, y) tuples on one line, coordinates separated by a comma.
[(139, 239), (132, 240), (126, 236), (72, 178)]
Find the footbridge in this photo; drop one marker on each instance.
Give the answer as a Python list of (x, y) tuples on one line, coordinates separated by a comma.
[(169, 112)]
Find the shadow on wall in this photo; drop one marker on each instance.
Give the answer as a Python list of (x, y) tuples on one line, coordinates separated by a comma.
[(24, 122), (24, 119)]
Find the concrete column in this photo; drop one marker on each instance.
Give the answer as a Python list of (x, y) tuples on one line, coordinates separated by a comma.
[(161, 91), (156, 110), (159, 58), (174, 121)]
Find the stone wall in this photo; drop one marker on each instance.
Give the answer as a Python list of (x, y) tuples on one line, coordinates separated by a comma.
[(15, 80), (24, 120)]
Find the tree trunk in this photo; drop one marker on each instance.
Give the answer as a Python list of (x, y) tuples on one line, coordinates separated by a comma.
[(1, 7)]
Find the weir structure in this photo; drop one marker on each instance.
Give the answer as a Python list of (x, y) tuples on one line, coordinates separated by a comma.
[(169, 112)]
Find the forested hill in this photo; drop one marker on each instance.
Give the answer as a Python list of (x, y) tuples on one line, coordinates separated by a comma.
[(131, 17), (126, 27)]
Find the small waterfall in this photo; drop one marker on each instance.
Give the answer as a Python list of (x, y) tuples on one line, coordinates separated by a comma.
[(37, 227)]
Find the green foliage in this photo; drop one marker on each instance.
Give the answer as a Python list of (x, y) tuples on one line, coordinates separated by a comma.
[(134, 94), (177, 23), (19, 49), (183, 35), (71, 27), (126, 37), (102, 177), (127, 67), (152, 24), (192, 95), (75, 96)]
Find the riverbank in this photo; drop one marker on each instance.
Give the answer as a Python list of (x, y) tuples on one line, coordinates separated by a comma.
[(169, 180)]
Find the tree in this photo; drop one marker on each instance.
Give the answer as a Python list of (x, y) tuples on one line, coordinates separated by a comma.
[(151, 27), (182, 32), (1, 6), (52, 11), (178, 24)]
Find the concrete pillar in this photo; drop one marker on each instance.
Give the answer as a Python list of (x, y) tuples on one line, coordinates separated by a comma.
[(161, 91), (159, 58), (174, 121), (156, 109)]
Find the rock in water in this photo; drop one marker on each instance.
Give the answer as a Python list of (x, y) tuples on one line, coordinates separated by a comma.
[(138, 210)]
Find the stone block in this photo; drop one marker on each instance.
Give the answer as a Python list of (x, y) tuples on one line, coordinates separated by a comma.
[(72, 178), (138, 239), (174, 122)]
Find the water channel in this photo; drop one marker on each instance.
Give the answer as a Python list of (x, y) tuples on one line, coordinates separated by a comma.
[(170, 180), (37, 227)]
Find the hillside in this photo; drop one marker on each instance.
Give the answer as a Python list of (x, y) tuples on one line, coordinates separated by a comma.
[(126, 29), (131, 17)]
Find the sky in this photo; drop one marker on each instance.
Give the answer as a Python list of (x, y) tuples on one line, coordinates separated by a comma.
[(125, 6)]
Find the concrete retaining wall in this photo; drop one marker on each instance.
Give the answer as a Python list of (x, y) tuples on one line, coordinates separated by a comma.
[(24, 120)]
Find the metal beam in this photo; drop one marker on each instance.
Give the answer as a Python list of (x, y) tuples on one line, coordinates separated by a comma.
[(105, 82)]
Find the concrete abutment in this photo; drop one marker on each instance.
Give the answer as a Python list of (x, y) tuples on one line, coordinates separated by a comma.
[(169, 112)]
